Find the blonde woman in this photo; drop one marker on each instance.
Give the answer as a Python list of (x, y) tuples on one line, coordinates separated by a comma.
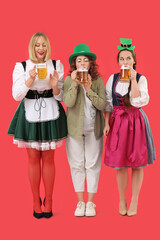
[(39, 123)]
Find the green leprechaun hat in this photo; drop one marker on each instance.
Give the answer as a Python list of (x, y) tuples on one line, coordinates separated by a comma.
[(82, 49), (126, 43)]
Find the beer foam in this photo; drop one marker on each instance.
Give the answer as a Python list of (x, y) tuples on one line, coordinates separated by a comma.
[(41, 65), (82, 69), (125, 67)]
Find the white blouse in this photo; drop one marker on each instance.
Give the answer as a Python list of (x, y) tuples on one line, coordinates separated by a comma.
[(122, 89), (89, 114), (42, 109)]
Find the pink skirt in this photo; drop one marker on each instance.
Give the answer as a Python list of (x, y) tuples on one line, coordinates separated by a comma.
[(126, 142)]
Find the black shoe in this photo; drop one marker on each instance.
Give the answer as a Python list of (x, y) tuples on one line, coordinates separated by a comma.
[(38, 215), (40, 201), (47, 214), (44, 202)]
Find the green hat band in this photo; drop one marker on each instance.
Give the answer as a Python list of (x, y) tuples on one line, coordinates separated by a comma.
[(126, 45)]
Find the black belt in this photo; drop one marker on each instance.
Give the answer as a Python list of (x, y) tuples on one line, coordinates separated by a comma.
[(126, 45), (34, 94)]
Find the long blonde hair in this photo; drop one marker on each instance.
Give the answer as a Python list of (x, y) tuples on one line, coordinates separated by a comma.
[(32, 44)]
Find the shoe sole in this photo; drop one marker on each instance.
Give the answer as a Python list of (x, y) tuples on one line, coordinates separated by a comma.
[(131, 214), (90, 215), (79, 215)]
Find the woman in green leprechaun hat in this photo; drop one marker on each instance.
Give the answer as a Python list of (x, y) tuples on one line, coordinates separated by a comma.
[(85, 103), (129, 141)]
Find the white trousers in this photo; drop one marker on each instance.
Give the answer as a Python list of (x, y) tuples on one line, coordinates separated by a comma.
[(85, 158)]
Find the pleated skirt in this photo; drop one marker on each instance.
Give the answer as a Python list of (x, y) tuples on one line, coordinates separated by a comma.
[(39, 135)]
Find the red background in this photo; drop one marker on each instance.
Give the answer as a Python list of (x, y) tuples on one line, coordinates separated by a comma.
[(67, 23)]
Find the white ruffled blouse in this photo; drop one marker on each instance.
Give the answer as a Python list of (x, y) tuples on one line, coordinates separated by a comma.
[(42, 109), (122, 89)]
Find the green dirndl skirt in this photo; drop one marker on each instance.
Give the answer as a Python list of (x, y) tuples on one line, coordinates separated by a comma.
[(48, 131)]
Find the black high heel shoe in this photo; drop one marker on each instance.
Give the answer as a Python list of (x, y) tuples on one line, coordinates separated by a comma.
[(38, 215), (47, 214)]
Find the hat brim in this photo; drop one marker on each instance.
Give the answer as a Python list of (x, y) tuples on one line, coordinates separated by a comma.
[(82, 54), (127, 48)]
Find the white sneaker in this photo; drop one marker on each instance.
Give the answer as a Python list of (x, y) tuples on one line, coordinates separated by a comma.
[(90, 209), (80, 210)]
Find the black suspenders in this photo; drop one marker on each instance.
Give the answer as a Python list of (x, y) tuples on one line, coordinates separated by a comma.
[(24, 64), (34, 94)]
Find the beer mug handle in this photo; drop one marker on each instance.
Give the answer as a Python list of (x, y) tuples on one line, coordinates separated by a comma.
[(36, 69), (122, 72)]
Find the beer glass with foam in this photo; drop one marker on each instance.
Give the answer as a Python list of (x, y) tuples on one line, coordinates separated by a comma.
[(82, 75), (42, 70), (125, 73)]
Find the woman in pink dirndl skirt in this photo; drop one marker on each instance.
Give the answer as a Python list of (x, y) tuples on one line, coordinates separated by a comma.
[(129, 142)]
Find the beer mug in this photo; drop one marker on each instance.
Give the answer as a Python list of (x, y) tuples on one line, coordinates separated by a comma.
[(42, 70), (82, 75), (125, 74)]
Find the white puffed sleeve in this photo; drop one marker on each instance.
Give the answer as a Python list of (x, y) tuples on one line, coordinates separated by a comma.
[(60, 70), (143, 99), (19, 88), (109, 100)]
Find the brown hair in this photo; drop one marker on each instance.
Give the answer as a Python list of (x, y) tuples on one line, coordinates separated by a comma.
[(93, 71), (126, 97)]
